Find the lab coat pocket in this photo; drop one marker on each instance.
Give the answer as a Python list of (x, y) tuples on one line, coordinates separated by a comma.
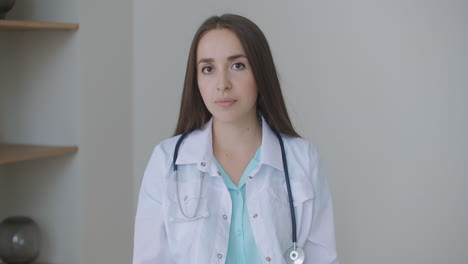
[(189, 208), (186, 222), (277, 208), (301, 191)]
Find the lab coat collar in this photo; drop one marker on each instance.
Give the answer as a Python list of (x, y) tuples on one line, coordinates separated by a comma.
[(197, 148)]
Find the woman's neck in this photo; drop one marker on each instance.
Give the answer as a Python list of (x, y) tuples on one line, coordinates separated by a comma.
[(236, 137)]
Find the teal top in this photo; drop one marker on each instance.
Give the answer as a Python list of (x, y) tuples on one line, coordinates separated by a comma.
[(241, 248)]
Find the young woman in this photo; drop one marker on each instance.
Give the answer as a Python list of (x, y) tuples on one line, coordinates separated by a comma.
[(219, 190)]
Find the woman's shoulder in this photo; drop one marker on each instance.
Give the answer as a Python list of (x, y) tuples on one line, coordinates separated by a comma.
[(161, 158), (167, 145), (298, 144), (164, 150)]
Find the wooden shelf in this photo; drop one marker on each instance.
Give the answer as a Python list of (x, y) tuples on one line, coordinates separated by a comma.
[(11, 153), (19, 25)]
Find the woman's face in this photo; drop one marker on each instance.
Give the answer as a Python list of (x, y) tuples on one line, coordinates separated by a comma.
[(225, 78)]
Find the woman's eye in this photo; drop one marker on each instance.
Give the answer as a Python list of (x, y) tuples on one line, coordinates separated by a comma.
[(206, 69), (238, 66)]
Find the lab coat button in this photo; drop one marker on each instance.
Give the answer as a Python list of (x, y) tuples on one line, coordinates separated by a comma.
[(268, 259), (225, 216), (255, 215), (203, 164), (250, 177), (220, 256), (219, 173)]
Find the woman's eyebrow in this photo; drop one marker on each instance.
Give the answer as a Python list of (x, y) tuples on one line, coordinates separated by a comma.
[(230, 58), (233, 57)]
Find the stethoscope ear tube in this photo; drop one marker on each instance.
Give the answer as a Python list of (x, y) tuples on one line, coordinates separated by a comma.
[(288, 185), (176, 150)]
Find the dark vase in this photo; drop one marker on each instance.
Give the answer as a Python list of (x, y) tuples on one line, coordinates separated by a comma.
[(19, 240), (5, 6)]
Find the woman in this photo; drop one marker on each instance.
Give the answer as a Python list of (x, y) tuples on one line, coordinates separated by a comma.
[(228, 201)]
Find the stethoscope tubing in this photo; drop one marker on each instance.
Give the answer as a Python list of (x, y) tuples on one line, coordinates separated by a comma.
[(288, 186), (176, 150)]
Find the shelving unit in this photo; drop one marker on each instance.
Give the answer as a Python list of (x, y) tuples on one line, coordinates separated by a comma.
[(11, 153), (19, 153), (19, 25)]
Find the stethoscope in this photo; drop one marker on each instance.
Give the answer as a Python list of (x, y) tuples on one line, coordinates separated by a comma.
[(294, 255)]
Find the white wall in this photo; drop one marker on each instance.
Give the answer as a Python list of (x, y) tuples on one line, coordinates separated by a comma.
[(106, 130), (379, 87)]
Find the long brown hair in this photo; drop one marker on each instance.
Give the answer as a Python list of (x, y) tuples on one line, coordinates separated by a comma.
[(270, 104)]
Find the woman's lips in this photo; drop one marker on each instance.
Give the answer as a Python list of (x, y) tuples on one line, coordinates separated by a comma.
[(226, 102)]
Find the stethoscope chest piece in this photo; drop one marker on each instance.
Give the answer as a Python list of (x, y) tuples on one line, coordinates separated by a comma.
[(294, 256)]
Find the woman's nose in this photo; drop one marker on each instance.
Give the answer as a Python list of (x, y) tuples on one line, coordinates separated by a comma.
[(223, 82)]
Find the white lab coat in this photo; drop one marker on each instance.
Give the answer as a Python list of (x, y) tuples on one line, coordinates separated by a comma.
[(163, 235)]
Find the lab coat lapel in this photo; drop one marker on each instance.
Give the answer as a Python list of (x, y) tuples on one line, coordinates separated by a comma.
[(197, 148)]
